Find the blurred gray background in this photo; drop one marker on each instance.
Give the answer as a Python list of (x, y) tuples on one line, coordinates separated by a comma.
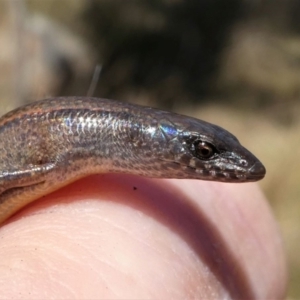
[(235, 63)]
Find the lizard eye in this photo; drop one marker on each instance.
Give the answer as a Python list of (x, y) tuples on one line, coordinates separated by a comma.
[(204, 150)]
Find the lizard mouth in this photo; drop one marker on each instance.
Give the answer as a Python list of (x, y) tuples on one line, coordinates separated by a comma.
[(180, 170), (256, 172)]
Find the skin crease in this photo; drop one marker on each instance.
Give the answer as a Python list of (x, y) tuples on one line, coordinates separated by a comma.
[(120, 236)]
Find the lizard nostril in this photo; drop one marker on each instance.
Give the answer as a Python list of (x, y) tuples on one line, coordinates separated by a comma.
[(244, 163)]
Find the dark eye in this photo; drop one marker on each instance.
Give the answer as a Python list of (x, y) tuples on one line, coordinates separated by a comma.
[(204, 150)]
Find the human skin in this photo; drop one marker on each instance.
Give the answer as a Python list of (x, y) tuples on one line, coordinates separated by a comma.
[(120, 236)]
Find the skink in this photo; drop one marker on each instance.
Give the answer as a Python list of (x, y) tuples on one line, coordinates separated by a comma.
[(49, 143)]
